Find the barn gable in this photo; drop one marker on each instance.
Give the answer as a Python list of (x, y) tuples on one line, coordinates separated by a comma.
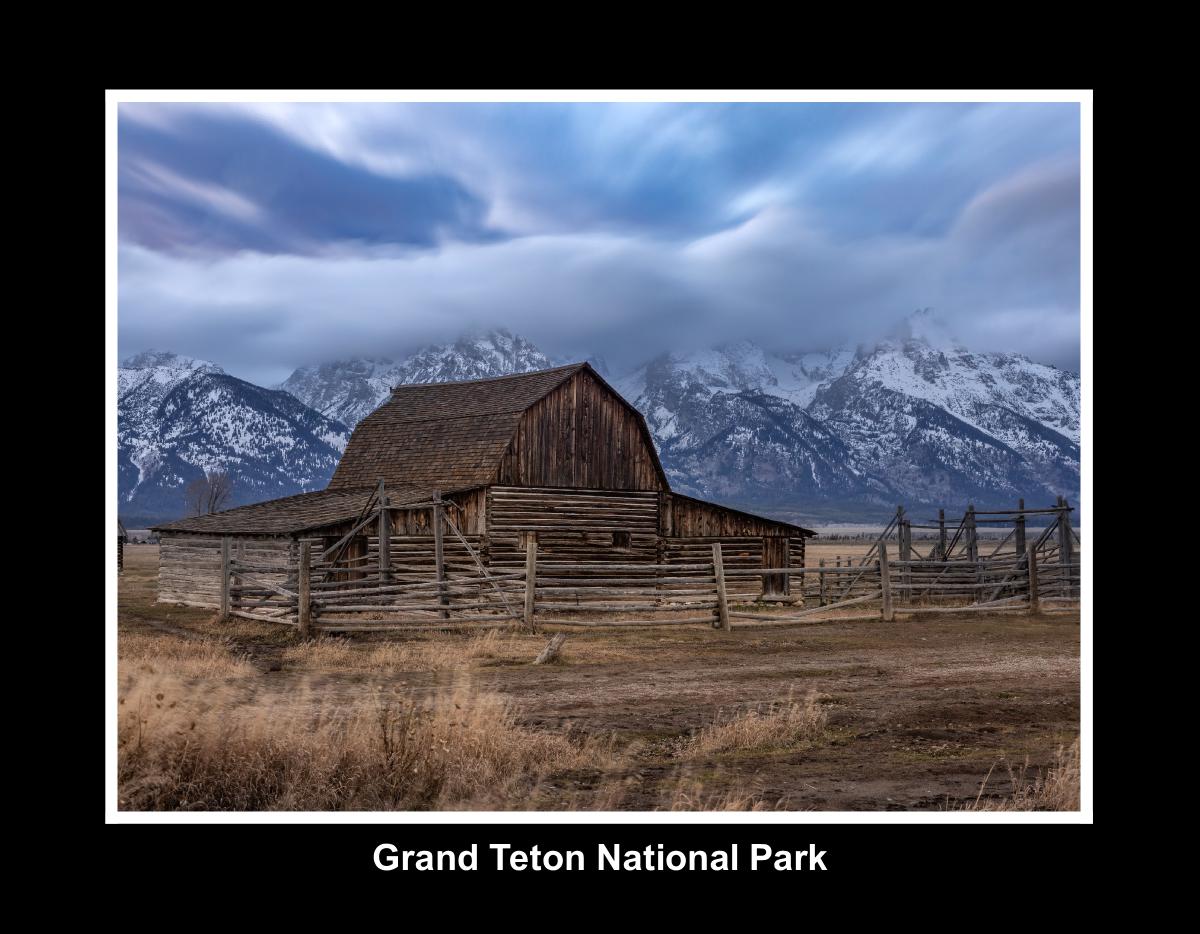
[(583, 435), (562, 427)]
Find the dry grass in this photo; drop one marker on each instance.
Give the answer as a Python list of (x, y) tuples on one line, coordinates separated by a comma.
[(162, 653), (1057, 790), (690, 794), (234, 749), (438, 654), (779, 726)]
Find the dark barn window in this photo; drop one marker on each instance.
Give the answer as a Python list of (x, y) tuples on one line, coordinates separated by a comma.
[(622, 541)]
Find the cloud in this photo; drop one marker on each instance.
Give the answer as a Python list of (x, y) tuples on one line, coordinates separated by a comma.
[(180, 177), (269, 236)]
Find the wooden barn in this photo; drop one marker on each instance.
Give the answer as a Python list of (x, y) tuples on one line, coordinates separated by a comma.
[(557, 455)]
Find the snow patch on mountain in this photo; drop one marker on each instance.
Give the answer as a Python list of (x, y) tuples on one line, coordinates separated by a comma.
[(178, 418), (349, 390)]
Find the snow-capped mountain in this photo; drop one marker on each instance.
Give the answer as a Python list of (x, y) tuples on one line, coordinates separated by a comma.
[(178, 417), (915, 419), (349, 390)]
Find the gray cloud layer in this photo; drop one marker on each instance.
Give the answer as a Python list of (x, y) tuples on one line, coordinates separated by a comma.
[(269, 237)]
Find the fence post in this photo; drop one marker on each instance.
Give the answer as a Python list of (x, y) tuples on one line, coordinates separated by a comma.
[(885, 585), (722, 620), (303, 591), (439, 559), (1034, 605), (385, 537), (941, 535), (821, 580), (530, 579), (905, 537), (226, 577), (1019, 535), (972, 538)]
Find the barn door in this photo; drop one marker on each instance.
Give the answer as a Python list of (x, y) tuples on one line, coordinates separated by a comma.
[(775, 555)]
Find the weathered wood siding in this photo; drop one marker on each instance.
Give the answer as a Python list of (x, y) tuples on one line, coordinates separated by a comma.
[(684, 517), (575, 525), (580, 436), (189, 565), (408, 552), (775, 554), (737, 554)]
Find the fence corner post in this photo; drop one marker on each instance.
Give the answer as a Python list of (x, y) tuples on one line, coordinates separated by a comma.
[(722, 620), (530, 580), (1034, 605), (885, 586), (226, 577), (303, 593)]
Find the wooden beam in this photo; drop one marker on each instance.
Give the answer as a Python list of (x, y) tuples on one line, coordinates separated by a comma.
[(530, 580), (439, 558), (722, 620), (551, 652), (385, 536), (885, 586), (226, 577), (303, 592), (1033, 580)]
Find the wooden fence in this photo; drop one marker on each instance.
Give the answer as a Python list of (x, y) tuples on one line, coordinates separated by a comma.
[(314, 597), (442, 582)]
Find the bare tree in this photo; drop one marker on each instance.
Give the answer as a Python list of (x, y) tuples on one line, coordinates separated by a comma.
[(208, 493)]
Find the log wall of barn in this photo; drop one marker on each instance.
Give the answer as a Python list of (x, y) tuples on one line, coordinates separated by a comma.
[(737, 553), (189, 565), (685, 517), (580, 436), (412, 554), (572, 525)]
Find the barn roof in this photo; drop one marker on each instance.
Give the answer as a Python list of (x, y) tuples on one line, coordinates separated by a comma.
[(298, 513), (452, 434), (807, 533)]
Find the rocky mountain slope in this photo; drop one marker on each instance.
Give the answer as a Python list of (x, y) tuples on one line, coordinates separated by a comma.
[(178, 417), (349, 390), (917, 419)]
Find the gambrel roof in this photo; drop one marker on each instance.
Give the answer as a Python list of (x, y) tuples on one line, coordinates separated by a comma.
[(452, 434)]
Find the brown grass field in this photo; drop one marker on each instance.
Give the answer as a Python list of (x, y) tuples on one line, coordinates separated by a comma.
[(957, 711)]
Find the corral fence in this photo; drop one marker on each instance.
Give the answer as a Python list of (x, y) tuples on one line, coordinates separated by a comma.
[(407, 587)]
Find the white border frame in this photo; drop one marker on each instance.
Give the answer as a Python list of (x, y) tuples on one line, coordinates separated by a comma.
[(113, 98)]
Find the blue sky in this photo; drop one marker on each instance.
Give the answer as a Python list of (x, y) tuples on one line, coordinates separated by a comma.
[(269, 236)]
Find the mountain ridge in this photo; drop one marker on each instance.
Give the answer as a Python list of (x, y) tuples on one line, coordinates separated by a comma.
[(916, 418)]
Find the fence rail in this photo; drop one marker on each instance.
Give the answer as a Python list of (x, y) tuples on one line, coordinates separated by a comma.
[(604, 594), (442, 582)]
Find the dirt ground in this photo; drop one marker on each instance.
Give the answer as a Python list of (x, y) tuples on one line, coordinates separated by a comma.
[(919, 711)]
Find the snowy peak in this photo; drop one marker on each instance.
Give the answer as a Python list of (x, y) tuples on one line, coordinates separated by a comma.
[(917, 418), (350, 390), (477, 356), (164, 359), (963, 382), (156, 372), (178, 418)]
